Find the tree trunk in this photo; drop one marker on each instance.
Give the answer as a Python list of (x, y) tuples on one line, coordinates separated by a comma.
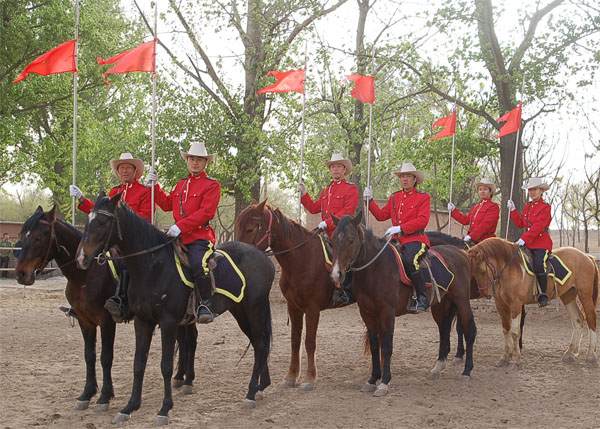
[(507, 153)]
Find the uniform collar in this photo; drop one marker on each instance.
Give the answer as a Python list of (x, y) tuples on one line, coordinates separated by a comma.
[(338, 182), (539, 200), (198, 176), (412, 191), (484, 200), (128, 185)]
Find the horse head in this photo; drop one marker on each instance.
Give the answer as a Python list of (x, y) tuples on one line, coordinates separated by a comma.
[(252, 225), (102, 230), (37, 250), (347, 241)]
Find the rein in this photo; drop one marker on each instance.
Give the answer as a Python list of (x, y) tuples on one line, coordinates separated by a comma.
[(496, 278), (54, 239), (372, 260), (268, 235)]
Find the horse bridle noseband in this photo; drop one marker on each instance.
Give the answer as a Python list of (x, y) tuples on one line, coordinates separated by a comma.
[(53, 239), (496, 275)]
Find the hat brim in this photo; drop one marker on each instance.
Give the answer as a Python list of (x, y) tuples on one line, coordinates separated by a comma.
[(418, 174), (489, 185), (137, 163), (543, 186), (210, 157), (345, 162)]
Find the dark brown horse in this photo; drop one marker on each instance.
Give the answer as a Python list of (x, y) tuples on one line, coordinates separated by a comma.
[(44, 238), (381, 296), (304, 282)]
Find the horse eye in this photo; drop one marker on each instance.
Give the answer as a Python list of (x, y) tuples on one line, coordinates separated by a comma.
[(249, 230)]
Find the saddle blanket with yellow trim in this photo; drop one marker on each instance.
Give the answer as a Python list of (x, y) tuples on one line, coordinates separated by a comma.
[(228, 279), (327, 254), (442, 274), (557, 269)]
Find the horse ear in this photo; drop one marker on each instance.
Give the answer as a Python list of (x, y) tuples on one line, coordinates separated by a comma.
[(261, 206), (39, 209), (51, 215), (356, 220), (335, 219), (114, 200)]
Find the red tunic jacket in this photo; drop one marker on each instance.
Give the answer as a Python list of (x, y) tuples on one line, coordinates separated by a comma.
[(339, 198), (136, 195), (194, 202), (482, 220), (536, 217), (411, 210)]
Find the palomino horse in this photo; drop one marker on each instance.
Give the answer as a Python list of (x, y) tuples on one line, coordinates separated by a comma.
[(159, 296), (496, 263), (43, 238), (381, 296), (304, 282)]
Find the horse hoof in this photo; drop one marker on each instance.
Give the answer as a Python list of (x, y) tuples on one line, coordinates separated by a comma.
[(368, 387), (161, 420), (288, 383), (102, 408), (502, 363), (249, 404), (592, 360), (465, 378), (568, 358), (434, 375), (457, 361), (382, 390), (177, 383), (120, 418), (187, 389), (260, 395), (82, 405), (515, 367), (307, 387)]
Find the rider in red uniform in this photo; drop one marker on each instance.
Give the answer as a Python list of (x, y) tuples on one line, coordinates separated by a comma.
[(536, 218), (483, 217), (137, 196), (194, 202), (409, 210), (339, 198)]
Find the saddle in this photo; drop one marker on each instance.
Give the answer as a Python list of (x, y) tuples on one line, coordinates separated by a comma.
[(435, 269), (327, 251), (555, 267)]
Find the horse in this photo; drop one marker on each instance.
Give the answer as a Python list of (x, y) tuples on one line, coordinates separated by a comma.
[(44, 238), (438, 238), (381, 296), (496, 264), (159, 296), (304, 282)]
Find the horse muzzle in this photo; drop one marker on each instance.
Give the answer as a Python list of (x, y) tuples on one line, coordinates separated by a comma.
[(25, 277)]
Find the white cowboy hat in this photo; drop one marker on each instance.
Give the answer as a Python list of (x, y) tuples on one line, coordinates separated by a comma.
[(337, 158), (127, 158), (536, 182), (408, 168), (486, 182), (198, 149)]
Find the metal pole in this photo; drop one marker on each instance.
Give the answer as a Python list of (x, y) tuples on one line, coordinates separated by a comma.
[(75, 79), (451, 176), (153, 113), (302, 136), (370, 139)]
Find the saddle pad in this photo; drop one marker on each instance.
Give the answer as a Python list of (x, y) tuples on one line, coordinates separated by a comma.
[(558, 269), (326, 254), (442, 274), (229, 279)]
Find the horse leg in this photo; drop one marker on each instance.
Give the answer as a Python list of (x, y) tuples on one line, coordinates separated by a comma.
[(143, 339), (468, 324), (168, 336), (310, 344), (189, 351), (504, 313), (387, 346), (443, 318), (296, 319), (577, 324), (515, 334), (261, 334), (460, 346), (91, 386), (592, 320), (107, 331), (373, 336), (181, 360), (265, 377)]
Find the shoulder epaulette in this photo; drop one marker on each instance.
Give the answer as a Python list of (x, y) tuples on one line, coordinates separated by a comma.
[(421, 192), (145, 186), (211, 178), (350, 183), (546, 202)]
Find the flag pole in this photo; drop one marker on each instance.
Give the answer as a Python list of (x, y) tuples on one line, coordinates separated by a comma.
[(370, 139), (512, 182), (302, 136), (75, 79), (153, 112), (452, 171)]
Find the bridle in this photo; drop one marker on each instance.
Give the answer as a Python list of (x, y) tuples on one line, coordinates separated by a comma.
[(495, 278), (54, 240), (358, 251)]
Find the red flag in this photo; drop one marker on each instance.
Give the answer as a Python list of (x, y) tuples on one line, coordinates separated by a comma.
[(141, 58), (292, 80), (513, 121), (58, 60), (364, 87), (449, 122)]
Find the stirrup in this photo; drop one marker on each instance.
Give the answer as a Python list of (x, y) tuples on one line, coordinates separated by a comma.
[(69, 312), (416, 306), (114, 305), (205, 314), (543, 300)]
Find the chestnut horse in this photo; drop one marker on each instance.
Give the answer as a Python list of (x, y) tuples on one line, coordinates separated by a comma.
[(304, 281), (381, 296), (496, 263)]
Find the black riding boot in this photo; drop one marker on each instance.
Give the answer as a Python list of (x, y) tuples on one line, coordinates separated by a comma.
[(542, 298), (117, 304), (205, 313), (422, 302), (343, 295)]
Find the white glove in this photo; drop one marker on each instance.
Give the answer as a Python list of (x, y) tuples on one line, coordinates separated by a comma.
[(510, 205), (451, 206), (467, 238), (152, 176), (174, 231), (393, 230), (322, 224), (368, 192), (520, 242), (74, 191), (302, 189)]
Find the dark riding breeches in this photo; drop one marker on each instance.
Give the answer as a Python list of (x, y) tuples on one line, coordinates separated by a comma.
[(411, 253), (540, 256), (199, 252)]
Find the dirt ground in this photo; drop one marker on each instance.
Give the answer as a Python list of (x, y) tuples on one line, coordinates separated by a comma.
[(42, 372)]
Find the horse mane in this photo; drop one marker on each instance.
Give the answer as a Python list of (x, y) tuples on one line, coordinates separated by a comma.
[(146, 235), (37, 216), (498, 248), (288, 225), (439, 235), (347, 219)]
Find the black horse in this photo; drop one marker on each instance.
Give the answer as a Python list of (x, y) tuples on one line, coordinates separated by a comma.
[(44, 238), (157, 295), (438, 238)]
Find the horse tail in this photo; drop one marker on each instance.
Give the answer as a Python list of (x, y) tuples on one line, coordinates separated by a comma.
[(595, 285), (521, 327), (366, 343)]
